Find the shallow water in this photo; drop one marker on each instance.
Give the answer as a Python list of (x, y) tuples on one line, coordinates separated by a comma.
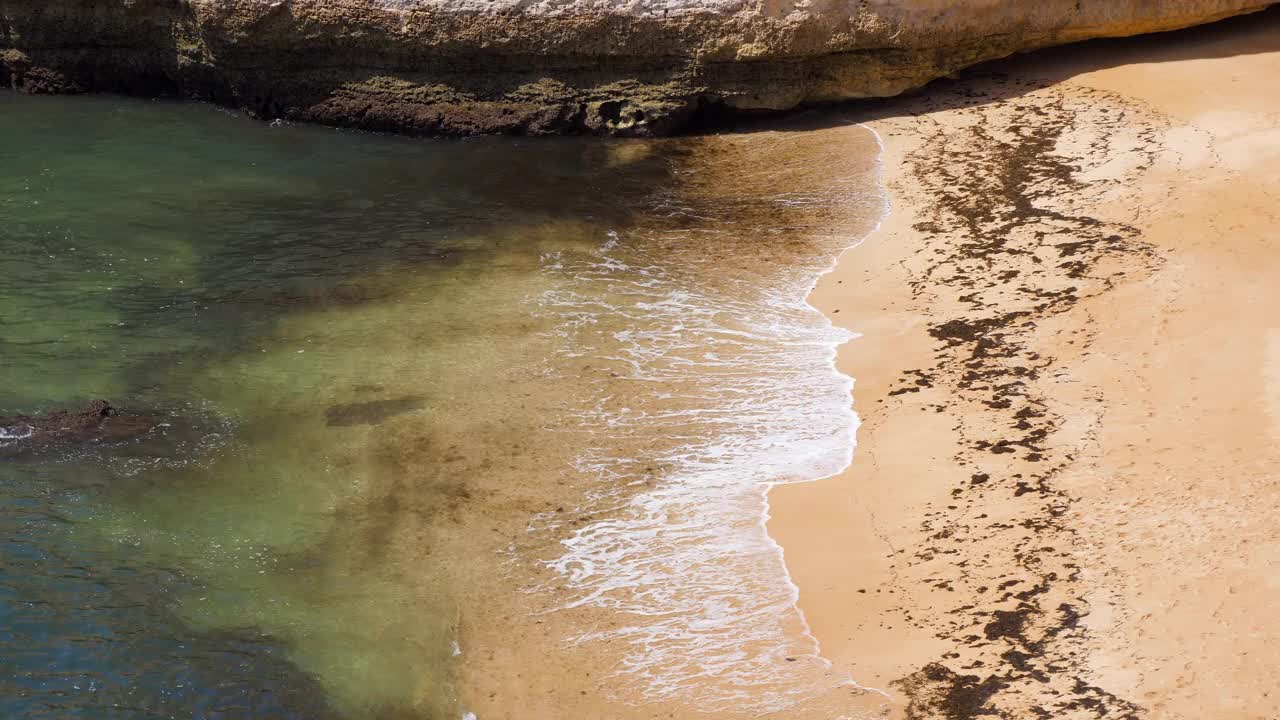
[(714, 381), (382, 365)]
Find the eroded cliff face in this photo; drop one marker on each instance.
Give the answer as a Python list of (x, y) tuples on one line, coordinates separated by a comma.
[(634, 67)]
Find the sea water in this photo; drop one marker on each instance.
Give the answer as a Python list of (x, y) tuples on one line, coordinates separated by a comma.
[(378, 367)]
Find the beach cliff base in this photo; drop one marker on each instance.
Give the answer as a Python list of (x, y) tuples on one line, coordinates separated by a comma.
[(1062, 502), (649, 67)]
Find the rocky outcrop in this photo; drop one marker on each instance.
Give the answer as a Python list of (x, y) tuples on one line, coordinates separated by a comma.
[(539, 66), (97, 423)]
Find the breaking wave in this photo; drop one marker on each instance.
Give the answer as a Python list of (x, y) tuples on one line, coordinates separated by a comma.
[(709, 385)]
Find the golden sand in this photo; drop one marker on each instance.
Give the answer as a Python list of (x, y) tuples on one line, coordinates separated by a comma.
[(1062, 502)]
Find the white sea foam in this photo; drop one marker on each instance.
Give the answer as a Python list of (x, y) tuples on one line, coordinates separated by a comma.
[(16, 432), (11, 435), (708, 394)]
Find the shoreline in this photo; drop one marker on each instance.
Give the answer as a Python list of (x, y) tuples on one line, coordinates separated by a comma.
[(983, 451), (769, 489), (672, 595)]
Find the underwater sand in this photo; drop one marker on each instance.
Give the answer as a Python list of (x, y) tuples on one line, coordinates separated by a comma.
[(425, 404)]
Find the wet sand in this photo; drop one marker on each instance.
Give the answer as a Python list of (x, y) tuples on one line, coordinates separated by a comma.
[(1061, 503)]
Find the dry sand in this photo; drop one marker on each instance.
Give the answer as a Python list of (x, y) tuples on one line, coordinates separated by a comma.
[(1069, 388), (1063, 500)]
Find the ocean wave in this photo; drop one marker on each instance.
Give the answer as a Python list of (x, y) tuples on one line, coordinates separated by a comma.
[(707, 389), (9, 436)]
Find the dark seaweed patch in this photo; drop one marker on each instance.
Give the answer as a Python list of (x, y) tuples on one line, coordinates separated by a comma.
[(1010, 242), (373, 412)]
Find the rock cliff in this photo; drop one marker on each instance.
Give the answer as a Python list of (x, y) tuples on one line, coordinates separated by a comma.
[(634, 67)]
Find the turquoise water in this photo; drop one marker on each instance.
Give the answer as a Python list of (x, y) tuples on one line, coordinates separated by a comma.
[(329, 327)]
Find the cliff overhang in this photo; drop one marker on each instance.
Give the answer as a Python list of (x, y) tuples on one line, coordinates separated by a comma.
[(626, 67)]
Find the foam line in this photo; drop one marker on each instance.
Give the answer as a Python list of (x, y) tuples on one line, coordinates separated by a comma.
[(719, 387)]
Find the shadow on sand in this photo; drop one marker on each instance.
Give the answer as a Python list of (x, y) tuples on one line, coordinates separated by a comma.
[(1244, 35)]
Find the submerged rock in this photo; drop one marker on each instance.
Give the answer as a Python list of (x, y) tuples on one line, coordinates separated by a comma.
[(373, 412), (637, 67), (98, 422)]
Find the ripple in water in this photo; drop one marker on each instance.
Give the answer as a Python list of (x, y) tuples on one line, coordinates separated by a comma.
[(713, 380), (338, 330), (332, 326)]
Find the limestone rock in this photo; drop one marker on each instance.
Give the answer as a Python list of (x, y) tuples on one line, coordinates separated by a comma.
[(635, 67)]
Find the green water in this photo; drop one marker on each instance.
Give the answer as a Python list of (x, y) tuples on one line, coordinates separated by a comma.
[(335, 329)]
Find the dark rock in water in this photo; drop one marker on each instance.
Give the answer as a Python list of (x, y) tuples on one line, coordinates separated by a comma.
[(99, 422), (372, 412)]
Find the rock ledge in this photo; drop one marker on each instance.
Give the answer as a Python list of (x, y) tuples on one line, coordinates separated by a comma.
[(630, 67)]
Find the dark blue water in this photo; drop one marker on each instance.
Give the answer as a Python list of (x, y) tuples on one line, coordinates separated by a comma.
[(89, 632)]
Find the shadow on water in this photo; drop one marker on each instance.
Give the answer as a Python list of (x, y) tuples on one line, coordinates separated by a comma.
[(319, 318)]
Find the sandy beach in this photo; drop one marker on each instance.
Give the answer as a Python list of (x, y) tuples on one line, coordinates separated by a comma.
[(322, 422), (1067, 385), (1061, 504)]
